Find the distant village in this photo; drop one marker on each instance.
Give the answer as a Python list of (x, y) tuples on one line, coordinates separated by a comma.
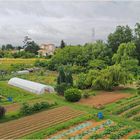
[(29, 49)]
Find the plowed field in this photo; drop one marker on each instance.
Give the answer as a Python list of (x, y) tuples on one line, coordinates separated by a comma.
[(103, 98), (21, 127)]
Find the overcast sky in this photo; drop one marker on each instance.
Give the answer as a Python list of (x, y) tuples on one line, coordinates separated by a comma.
[(74, 22)]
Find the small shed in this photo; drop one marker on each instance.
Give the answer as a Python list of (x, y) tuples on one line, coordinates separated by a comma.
[(30, 86)]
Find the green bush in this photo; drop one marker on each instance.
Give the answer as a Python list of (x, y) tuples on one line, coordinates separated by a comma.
[(72, 94), (86, 95), (2, 111), (42, 63), (27, 109)]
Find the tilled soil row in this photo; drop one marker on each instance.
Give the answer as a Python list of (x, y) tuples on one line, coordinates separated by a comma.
[(21, 133), (123, 113), (32, 123), (36, 119), (18, 129), (36, 116)]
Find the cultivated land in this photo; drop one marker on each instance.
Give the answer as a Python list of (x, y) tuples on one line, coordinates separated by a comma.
[(106, 129), (103, 98), (66, 119), (29, 124)]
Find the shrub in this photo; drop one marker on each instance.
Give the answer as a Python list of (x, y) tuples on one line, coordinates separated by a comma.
[(72, 94), (27, 109), (2, 111), (86, 95), (39, 63)]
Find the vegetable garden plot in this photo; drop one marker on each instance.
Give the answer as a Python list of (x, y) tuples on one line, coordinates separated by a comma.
[(27, 125), (131, 110), (95, 130), (81, 130)]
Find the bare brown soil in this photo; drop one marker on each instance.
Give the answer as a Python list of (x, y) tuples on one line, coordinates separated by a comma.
[(103, 98), (27, 125), (12, 107)]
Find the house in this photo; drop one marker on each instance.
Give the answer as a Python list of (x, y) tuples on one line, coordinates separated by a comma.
[(46, 49)]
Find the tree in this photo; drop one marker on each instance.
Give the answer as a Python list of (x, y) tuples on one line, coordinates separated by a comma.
[(69, 78), (64, 81), (126, 57), (3, 47), (26, 41), (97, 64), (8, 47), (62, 45), (126, 51), (122, 34), (137, 40), (110, 77), (61, 77), (32, 47)]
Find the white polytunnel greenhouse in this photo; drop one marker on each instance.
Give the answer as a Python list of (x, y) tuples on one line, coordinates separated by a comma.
[(30, 86)]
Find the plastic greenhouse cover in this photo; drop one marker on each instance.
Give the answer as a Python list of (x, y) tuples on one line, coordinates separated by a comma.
[(30, 86)]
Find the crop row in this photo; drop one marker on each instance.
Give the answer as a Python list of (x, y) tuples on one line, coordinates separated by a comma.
[(132, 112), (135, 136), (91, 130), (127, 107), (130, 100), (136, 118), (33, 128), (72, 130), (107, 131), (120, 133)]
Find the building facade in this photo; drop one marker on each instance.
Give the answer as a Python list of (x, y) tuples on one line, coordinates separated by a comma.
[(46, 49)]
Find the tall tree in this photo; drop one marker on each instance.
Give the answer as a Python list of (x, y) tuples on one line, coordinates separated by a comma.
[(137, 40), (32, 47), (61, 77), (122, 34), (63, 44), (126, 57), (69, 78)]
